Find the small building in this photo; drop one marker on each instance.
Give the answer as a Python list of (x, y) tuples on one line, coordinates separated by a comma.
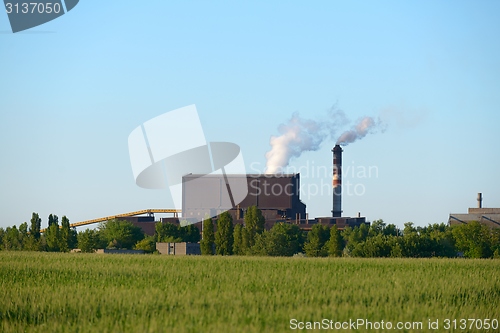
[(118, 251), (182, 248)]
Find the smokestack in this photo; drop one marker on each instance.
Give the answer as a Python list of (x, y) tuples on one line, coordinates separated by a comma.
[(479, 200), (337, 181)]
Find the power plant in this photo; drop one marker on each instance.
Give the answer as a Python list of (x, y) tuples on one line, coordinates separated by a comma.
[(276, 195)]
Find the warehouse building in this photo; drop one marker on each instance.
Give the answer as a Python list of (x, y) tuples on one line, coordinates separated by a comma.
[(486, 216)]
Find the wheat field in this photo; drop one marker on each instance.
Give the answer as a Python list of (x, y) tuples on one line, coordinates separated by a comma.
[(60, 292)]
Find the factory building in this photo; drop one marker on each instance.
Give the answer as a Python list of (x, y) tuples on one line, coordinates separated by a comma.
[(486, 216), (276, 195)]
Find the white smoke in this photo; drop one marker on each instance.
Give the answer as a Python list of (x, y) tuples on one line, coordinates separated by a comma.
[(359, 131), (299, 135)]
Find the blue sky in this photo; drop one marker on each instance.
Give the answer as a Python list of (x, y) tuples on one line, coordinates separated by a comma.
[(73, 89)]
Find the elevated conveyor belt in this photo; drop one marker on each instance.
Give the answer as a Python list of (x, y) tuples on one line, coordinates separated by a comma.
[(107, 218)]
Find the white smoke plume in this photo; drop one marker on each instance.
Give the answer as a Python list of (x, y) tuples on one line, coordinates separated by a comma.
[(359, 131), (299, 135)]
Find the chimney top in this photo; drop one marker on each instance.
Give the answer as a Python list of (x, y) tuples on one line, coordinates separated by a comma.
[(337, 148)]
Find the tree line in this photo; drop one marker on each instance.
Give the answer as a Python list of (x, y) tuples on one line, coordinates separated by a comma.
[(55, 238), (222, 237), (472, 240)]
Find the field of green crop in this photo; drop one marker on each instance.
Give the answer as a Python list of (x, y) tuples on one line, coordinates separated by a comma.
[(57, 292)]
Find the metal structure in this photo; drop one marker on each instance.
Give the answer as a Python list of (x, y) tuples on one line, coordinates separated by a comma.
[(150, 212), (337, 181)]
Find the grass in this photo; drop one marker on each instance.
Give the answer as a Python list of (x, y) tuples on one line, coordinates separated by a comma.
[(54, 292)]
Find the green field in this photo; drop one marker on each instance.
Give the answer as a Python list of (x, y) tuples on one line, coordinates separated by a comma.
[(57, 292)]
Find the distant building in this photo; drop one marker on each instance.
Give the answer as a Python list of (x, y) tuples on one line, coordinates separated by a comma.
[(486, 216)]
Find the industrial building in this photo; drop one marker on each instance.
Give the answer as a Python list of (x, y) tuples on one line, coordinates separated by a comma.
[(486, 216), (276, 195)]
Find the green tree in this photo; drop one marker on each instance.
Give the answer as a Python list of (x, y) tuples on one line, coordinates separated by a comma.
[(245, 241), (224, 235), (148, 244), (372, 247), (34, 233), (53, 219), (190, 233), (335, 243), (24, 236), (89, 241), (172, 233), (411, 241), (2, 235), (440, 240), (353, 236), (167, 232), (316, 241), (362, 232), (396, 248), (36, 223), (254, 224), (377, 227), (67, 236), (207, 241), (495, 242), (11, 239), (120, 234), (237, 240), (283, 239), (52, 234), (392, 230), (416, 242), (473, 239)]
